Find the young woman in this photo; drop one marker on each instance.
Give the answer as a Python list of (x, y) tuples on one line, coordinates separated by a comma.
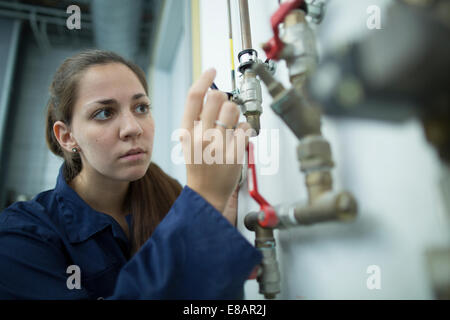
[(115, 225)]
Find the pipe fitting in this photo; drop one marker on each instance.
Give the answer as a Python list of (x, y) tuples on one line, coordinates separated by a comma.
[(246, 58), (314, 153), (269, 274), (300, 50), (318, 183), (302, 118), (251, 220), (330, 206), (251, 98)]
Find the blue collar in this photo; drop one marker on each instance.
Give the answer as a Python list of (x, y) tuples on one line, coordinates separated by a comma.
[(80, 220)]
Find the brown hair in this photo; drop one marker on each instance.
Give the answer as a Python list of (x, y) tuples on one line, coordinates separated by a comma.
[(149, 198)]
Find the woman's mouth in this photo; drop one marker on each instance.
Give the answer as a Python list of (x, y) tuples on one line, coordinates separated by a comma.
[(134, 157)]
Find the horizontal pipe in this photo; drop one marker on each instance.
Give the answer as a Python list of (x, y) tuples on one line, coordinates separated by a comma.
[(39, 9), (26, 16), (330, 206)]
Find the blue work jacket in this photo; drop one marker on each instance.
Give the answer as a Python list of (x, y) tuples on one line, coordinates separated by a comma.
[(45, 243)]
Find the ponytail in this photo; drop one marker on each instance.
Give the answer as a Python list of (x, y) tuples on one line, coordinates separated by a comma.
[(149, 200)]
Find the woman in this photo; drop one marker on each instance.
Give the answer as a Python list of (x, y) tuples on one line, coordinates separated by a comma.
[(115, 225)]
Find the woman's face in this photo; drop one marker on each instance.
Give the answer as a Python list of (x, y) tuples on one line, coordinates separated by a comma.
[(111, 117)]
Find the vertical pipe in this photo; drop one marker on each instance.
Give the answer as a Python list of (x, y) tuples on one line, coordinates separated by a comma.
[(245, 25), (269, 277), (230, 36)]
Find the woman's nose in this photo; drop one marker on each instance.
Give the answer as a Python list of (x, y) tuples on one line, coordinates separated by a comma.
[(130, 126)]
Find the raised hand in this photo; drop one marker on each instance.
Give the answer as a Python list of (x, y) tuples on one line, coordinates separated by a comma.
[(213, 151)]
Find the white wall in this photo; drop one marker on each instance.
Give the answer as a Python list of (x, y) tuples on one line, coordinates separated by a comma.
[(391, 170)]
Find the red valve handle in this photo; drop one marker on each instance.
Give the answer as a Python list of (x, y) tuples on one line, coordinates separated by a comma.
[(270, 216), (274, 46)]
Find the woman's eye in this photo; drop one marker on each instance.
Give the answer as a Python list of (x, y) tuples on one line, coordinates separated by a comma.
[(103, 114), (143, 108)]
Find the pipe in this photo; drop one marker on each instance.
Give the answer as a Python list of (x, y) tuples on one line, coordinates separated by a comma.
[(300, 50), (314, 155), (20, 7), (329, 206), (250, 88), (230, 36), (41, 18), (293, 109), (269, 274), (245, 25), (317, 183)]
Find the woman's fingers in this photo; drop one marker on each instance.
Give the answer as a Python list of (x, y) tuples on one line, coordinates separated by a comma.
[(194, 101), (229, 115), (216, 108), (241, 137), (213, 105)]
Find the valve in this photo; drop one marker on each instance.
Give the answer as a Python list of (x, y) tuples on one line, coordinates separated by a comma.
[(274, 46), (268, 217)]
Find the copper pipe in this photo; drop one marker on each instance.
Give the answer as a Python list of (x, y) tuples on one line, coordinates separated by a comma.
[(245, 25), (317, 183)]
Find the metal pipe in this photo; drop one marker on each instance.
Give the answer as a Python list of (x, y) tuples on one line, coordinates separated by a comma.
[(317, 183), (230, 36), (330, 206), (294, 109), (300, 50), (26, 16), (245, 25), (269, 274), (39, 9)]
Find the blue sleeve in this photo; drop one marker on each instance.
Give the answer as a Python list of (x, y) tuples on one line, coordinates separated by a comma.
[(194, 253), (32, 265)]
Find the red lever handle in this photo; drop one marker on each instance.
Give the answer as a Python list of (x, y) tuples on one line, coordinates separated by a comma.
[(274, 46), (270, 216)]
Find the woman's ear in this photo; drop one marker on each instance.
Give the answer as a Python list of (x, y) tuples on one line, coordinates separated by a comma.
[(64, 136)]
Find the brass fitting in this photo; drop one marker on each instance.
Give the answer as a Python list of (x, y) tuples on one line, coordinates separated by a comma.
[(328, 206), (300, 50), (269, 274), (314, 153), (317, 184), (251, 96)]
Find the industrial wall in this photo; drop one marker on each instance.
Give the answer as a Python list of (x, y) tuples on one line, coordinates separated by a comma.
[(32, 168)]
